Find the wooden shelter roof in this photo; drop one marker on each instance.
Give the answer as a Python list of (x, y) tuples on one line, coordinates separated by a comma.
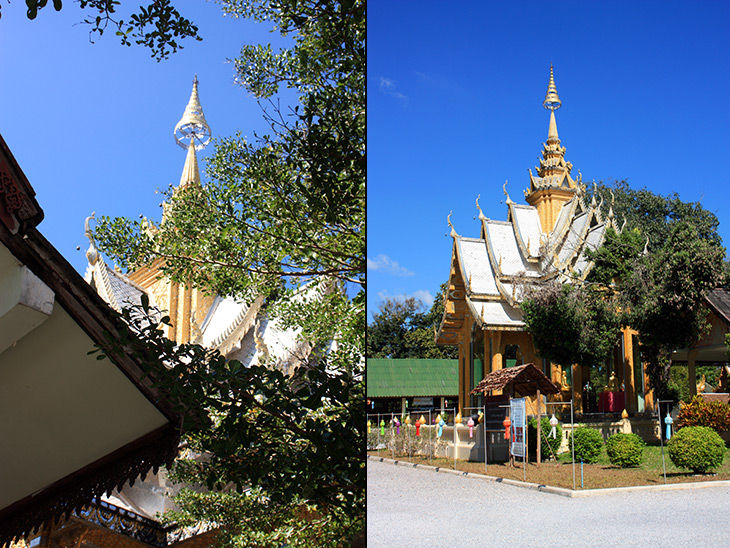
[(526, 380)]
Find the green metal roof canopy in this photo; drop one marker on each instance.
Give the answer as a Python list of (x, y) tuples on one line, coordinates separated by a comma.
[(387, 378)]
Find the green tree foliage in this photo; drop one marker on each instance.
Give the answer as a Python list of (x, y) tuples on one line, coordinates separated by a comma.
[(285, 210), (158, 26), (282, 463), (401, 329), (571, 324), (652, 276), (664, 296), (653, 215)]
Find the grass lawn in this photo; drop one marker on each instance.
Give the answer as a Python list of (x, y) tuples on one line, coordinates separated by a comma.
[(595, 476)]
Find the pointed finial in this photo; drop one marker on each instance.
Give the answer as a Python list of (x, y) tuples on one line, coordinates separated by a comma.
[(91, 254), (482, 217), (552, 101), (453, 231), (504, 189), (192, 127)]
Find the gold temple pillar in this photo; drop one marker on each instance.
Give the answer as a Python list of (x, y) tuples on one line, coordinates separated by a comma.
[(495, 338), (630, 386)]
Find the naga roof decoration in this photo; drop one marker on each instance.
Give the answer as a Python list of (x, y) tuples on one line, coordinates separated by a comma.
[(489, 273)]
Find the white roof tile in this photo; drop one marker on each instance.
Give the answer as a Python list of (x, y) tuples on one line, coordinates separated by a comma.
[(504, 245), (528, 223), (476, 265), (498, 313)]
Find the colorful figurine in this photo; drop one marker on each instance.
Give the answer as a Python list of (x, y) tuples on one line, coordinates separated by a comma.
[(458, 418), (382, 427), (397, 425), (470, 424), (441, 427), (369, 425), (506, 423), (418, 428)]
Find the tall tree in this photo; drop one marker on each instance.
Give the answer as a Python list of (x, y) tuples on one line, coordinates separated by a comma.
[(285, 210), (657, 272), (571, 324), (401, 328), (664, 296)]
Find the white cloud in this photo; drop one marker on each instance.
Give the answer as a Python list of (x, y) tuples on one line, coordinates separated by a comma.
[(422, 295), (387, 265), (387, 86)]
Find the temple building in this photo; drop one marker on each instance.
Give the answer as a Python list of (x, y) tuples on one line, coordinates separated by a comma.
[(237, 328), (542, 240)]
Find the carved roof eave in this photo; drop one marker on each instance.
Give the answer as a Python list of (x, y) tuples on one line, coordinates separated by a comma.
[(524, 250), (238, 328), (557, 237), (488, 326), (101, 269), (580, 245), (451, 322)]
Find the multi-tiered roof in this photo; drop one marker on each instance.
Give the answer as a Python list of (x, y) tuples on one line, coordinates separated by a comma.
[(543, 240)]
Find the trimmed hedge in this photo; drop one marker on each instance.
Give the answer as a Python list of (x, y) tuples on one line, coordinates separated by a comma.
[(625, 450), (697, 448), (588, 444)]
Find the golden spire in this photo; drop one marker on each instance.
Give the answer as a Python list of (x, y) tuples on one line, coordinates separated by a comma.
[(190, 173), (193, 133), (192, 126), (552, 101)]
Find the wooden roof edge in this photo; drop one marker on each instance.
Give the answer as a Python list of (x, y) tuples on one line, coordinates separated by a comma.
[(498, 380), (20, 209), (77, 490)]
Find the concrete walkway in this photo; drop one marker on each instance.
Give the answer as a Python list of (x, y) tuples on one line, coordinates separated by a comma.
[(416, 507)]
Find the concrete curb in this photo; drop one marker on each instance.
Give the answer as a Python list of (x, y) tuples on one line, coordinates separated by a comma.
[(560, 491)]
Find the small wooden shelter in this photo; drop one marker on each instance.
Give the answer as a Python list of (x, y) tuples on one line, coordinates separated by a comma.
[(523, 381)]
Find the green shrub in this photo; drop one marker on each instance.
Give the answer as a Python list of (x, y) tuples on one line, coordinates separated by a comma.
[(697, 448), (625, 450), (588, 444), (698, 412), (545, 451)]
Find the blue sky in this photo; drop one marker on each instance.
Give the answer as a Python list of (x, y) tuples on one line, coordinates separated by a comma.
[(91, 125), (455, 109)]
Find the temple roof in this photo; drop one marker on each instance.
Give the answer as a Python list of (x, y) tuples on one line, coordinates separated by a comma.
[(489, 274)]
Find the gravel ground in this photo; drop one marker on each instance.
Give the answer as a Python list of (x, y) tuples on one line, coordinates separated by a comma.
[(419, 508)]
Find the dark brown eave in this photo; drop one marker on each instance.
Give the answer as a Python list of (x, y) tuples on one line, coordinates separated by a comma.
[(125, 461), (77, 490), (719, 301), (19, 210)]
